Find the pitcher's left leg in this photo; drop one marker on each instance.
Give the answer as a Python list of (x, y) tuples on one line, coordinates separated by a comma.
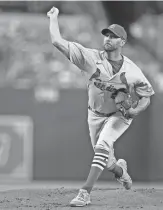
[(98, 164), (99, 161)]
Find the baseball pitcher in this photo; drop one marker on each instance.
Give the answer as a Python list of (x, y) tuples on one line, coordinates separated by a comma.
[(117, 92)]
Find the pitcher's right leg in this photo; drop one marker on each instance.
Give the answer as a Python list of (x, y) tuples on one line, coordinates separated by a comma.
[(115, 126)]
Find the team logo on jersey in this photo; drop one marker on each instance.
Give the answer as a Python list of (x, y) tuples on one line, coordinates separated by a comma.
[(132, 90), (123, 79), (99, 83), (95, 75)]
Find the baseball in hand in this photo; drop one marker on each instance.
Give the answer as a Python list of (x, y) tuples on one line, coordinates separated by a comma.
[(53, 13)]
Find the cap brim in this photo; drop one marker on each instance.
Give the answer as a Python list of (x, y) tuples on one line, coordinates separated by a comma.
[(106, 30)]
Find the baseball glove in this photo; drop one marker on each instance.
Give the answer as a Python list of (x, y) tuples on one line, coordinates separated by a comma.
[(124, 102)]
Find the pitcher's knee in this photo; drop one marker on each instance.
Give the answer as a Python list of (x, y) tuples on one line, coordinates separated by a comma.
[(109, 148), (102, 144), (110, 151), (101, 147)]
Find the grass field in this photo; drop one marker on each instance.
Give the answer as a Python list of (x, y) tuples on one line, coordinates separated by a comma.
[(106, 196)]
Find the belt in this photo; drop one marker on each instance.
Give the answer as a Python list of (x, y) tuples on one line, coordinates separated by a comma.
[(101, 114)]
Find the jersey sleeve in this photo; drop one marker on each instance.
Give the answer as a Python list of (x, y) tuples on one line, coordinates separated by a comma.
[(82, 57), (143, 87)]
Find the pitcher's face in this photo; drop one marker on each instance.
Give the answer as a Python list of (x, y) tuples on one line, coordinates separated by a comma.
[(112, 42)]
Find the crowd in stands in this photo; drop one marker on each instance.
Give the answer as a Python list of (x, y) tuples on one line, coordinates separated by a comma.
[(28, 59)]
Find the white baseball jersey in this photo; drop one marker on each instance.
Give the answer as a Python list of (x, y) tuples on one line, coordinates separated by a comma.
[(102, 83)]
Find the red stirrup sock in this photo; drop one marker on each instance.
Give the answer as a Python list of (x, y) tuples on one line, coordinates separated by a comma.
[(98, 164)]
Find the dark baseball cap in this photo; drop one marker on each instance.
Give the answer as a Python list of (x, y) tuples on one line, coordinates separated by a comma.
[(117, 30)]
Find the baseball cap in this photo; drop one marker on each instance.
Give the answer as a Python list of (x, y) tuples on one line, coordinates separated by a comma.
[(117, 30)]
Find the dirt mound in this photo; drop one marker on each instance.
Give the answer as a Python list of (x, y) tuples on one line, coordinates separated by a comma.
[(108, 199)]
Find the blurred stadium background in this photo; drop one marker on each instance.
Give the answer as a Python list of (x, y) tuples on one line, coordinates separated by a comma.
[(43, 97)]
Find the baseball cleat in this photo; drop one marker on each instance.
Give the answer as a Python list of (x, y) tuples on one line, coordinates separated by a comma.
[(125, 179), (82, 199)]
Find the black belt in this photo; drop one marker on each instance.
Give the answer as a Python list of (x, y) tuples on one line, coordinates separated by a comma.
[(101, 114)]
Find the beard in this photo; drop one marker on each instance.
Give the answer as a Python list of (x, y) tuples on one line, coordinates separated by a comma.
[(108, 47)]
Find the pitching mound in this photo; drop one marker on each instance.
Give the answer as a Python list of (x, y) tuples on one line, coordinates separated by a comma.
[(108, 199)]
